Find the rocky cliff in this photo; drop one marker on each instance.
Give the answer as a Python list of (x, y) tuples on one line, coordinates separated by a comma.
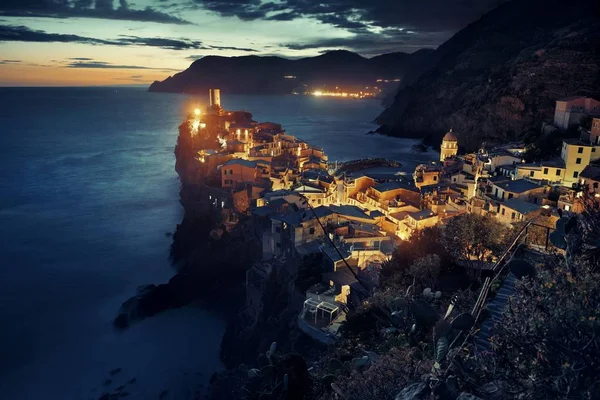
[(498, 78), (267, 75)]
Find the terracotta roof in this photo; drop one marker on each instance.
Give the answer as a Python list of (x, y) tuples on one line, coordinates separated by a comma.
[(450, 137)]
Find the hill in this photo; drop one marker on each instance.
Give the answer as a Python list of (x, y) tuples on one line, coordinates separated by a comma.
[(267, 75), (497, 79)]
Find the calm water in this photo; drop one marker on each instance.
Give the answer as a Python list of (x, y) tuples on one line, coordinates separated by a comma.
[(87, 193)]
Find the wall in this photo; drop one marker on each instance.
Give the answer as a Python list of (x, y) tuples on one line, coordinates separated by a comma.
[(239, 173)]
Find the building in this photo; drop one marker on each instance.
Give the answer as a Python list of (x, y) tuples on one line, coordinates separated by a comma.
[(449, 147), (551, 171), (577, 154), (426, 174), (569, 112), (590, 178), (238, 171), (515, 210), (519, 189)]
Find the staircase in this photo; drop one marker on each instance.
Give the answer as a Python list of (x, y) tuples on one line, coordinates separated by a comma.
[(496, 306)]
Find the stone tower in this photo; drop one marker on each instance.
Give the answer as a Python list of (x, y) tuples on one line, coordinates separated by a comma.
[(449, 146), (214, 97)]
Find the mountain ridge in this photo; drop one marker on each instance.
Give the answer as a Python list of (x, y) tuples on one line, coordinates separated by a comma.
[(497, 79), (267, 74)]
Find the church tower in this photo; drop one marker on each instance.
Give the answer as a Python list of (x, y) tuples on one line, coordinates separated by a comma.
[(449, 146)]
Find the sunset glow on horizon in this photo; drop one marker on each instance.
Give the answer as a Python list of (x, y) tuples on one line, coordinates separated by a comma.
[(110, 42)]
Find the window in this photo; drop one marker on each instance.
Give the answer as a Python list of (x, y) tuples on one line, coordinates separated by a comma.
[(502, 195), (545, 171), (580, 150), (278, 229), (311, 231), (558, 172), (513, 215), (531, 173), (578, 161), (496, 192), (278, 245), (593, 149), (435, 178), (228, 182), (575, 174), (503, 210), (595, 185), (510, 195)]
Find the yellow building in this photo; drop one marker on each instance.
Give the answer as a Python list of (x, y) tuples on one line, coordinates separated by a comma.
[(449, 146), (577, 155)]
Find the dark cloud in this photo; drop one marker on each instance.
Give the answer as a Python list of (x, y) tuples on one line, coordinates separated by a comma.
[(81, 59), (171, 44), (24, 34), (370, 44), (106, 65), (10, 62), (233, 48), (371, 21), (423, 15), (103, 9)]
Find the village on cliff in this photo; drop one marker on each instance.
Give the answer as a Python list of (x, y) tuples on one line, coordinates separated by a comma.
[(297, 204)]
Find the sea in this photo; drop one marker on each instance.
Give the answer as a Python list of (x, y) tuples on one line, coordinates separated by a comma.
[(88, 200)]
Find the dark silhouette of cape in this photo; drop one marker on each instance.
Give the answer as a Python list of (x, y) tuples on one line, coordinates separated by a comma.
[(277, 75)]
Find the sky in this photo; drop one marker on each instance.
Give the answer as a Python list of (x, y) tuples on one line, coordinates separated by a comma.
[(127, 42)]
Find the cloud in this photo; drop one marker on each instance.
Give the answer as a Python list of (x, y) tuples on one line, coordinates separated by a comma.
[(171, 44), (373, 20), (102, 9), (80, 59), (233, 48), (10, 62), (372, 44), (24, 34), (106, 65)]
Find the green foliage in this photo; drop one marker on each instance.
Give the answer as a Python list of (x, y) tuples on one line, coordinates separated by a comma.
[(426, 269), (471, 237)]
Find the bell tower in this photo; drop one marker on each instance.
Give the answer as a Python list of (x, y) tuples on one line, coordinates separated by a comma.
[(449, 146)]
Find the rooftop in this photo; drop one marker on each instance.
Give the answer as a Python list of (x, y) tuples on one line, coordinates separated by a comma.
[(576, 142), (521, 206), (239, 161), (421, 215), (591, 172), (389, 186), (349, 211), (450, 137), (518, 186)]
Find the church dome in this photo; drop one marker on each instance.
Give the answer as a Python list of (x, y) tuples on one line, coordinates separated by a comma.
[(450, 137)]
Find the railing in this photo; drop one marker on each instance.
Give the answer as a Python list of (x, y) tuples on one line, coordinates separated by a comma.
[(497, 269)]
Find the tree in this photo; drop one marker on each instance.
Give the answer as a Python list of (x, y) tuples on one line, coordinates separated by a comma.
[(426, 269), (472, 239)]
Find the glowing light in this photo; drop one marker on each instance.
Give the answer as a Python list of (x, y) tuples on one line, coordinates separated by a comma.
[(194, 127), (222, 141), (318, 93), (202, 125), (197, 112)]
